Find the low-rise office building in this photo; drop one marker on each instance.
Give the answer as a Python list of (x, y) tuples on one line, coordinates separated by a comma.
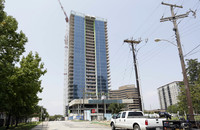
[(126, 92)]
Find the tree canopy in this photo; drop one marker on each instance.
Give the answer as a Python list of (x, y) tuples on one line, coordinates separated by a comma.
[(173, 108), (19, 76), (193, 73), (116, 107)]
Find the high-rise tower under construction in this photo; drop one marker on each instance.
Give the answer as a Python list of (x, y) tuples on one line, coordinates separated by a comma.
[(88, 61)]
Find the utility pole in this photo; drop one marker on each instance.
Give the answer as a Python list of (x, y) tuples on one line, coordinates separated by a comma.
[(132, 42), (185, 79)]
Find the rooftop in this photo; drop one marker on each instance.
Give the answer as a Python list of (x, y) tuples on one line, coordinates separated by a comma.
[(87, 15)]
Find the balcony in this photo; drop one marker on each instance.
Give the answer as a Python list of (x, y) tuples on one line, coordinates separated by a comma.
[(90, 46), (90, 43), (90, 53), (89, 74), (90, 62), (90, 58), (90, 65), (88, 78), (89, 31), (94, 85), (89, 40)]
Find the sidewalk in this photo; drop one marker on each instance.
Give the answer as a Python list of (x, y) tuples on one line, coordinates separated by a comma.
[(41, 126)]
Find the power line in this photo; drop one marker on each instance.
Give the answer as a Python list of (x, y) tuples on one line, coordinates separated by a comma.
[(194, 52), (153, 55), (155, 30), (197, 4), (190, 26), (126, 65), (189, 32), (191, 50), (142, 25)]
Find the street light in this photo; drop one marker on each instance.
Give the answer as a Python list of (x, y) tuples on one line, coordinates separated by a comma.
[(185, 78), (158, 40)]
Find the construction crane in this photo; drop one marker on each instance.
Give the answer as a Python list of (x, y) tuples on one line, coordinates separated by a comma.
[(66, 17), (65, 101)]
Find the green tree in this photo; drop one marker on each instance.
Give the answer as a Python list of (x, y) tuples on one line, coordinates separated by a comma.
[(115, 107), (55, 117), (193, 72), (11, 47), (173, 108), (41, 112), (19, 79), (28, 85)]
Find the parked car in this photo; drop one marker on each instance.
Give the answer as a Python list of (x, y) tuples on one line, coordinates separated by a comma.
[(135, 120), (165, 114)]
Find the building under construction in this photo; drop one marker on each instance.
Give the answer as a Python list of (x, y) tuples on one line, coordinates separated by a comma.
[(88, 58)]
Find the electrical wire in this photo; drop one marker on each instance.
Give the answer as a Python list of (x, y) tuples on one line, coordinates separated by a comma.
[(155, 30), (117, 52), (189, 26), (180, 5), (194, 53), (131, 74), (126, 66), (196, 4), (192, 50), (142, 25), (186, 34), (152, 55)]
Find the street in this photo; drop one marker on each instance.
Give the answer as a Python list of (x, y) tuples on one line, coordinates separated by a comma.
[(70, 125)]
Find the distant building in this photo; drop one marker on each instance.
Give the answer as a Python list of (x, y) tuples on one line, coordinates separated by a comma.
[(168, 94), (126, 92)]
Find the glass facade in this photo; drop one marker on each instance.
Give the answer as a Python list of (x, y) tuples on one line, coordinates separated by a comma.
[(79, 57), (101, 59), (88, 67)]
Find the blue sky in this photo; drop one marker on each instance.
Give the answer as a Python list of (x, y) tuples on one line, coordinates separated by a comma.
[(43, 23)]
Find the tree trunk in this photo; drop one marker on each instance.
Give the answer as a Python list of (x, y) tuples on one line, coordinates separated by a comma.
[(8, 121), (17, 120)]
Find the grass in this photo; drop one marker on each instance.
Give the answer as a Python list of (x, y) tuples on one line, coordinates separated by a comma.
[(94, 122), (22, 126), (78, 120), (197, 118), (101, 123)]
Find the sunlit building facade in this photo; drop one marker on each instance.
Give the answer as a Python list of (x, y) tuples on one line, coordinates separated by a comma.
[(126, 92), (88, 62), (168, 94)]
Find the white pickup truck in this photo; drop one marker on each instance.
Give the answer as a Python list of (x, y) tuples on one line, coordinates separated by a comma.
[(136, 121)]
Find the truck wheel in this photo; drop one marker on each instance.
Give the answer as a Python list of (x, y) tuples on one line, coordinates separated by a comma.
[(136, 127), (113, 126)]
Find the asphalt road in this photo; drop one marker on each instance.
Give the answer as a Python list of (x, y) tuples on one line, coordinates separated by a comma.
[(70, 125)]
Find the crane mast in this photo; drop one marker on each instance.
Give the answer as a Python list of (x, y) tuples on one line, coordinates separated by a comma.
[(65, 101)]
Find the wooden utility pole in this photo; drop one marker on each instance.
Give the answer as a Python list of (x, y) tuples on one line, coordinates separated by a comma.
[(185, 79), (132, 42)]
